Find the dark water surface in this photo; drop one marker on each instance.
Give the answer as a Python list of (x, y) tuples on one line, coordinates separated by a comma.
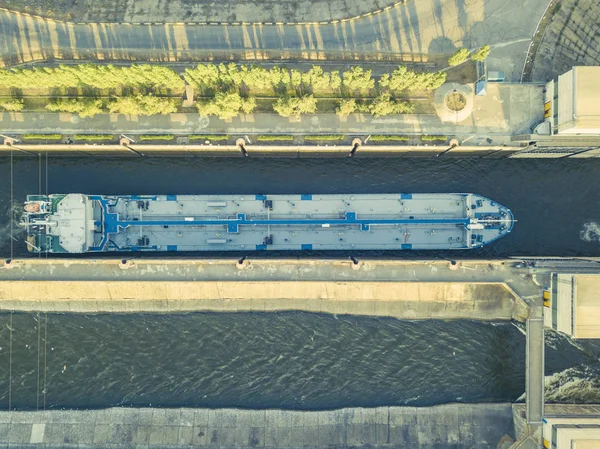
[(554, 201), (300, 360), (290, 360)]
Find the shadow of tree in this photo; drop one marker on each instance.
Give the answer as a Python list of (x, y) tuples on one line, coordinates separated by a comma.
[(441, 45)]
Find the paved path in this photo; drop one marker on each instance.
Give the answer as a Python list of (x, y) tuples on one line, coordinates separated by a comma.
[(506, 110), (534, 387), (415, 27)]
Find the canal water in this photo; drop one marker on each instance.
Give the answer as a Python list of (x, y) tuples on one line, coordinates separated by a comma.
[(299, 360), (288, 360), (556, 202)]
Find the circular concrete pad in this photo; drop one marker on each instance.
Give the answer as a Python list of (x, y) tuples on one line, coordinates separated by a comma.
[(453, 102)]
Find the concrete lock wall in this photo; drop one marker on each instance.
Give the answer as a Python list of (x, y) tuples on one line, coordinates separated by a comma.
[(409, 300), (455, 425)]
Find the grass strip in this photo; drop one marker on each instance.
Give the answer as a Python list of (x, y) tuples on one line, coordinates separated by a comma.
[(93, 137), (42, 137), (325, 138), (208, 137), (434, 138), (274, 138), (156, 137), (384, 138)]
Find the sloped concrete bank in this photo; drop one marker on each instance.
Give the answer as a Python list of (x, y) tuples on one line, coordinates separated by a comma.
[(406, 300), (453, 425), (400, 289)]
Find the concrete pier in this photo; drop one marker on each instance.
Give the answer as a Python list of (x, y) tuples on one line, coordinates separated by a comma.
[(454, 425), (407, 290)]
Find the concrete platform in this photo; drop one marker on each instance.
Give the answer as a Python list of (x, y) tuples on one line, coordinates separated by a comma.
[(482, 290), (414, 300), (454, 425)]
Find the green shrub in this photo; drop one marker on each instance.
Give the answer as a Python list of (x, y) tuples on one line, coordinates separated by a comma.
[(84, 107), (294, 106), (156, 137), (434, 138), (143, 105), (325, 138), (274, 138), (385, 105), (93, 137), (12, 104), (208, 137), (481, 53), (42, 137), (227, 105), (347, 107), (383, 138)]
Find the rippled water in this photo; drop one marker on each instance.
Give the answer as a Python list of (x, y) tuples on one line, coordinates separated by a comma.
[(301, 360), (256, 360), (556, 202)]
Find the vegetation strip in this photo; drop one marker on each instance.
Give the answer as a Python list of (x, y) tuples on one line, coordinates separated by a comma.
[(93, 137), (224, 90), (325, 137), (41, 136), (274, 138), (384, 138), (156, 137), (207, 137)]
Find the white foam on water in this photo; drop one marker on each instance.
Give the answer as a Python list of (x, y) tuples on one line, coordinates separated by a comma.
[(573, 385), (590, 232)]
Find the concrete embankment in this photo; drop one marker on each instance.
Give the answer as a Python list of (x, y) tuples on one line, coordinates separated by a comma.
[(453, 425), (407, 300), (336, 150), (401, 289)]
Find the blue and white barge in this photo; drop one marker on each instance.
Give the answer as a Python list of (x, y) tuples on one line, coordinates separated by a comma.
[(80, 223)]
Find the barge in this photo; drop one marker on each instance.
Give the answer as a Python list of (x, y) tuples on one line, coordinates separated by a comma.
[(80, 223)]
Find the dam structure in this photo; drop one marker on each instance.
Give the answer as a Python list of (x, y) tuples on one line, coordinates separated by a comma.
[(78, 223)]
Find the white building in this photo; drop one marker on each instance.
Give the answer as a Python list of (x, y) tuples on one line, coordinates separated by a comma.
[(572, 103), (572, 427), (574, 306)]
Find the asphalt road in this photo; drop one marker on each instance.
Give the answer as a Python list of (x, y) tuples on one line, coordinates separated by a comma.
[(416, 27)]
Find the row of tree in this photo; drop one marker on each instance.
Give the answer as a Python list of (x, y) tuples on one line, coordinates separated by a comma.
[(133, 105), (231, 104), (211, 78), (142, 77)]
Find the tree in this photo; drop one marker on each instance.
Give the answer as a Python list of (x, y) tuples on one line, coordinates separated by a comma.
[(227, 105), (385, 105), (357, 79), (460, 56), (143, 105), (346, 108), (204, 76), (84, 107), (404, 79), (294, 106), (481, 53), (12, 104)]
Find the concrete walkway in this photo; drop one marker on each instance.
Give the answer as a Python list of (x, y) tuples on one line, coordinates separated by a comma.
[(460, 426), (415, 27), (368, 272), (507, 110)]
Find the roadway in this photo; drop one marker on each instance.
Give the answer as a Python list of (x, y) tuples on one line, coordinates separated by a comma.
[(405, 32)]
